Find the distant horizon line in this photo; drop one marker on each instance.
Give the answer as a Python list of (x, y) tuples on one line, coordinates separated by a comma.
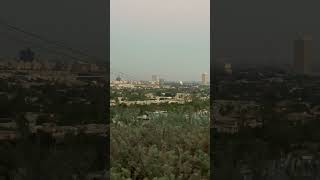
[(165, 80)]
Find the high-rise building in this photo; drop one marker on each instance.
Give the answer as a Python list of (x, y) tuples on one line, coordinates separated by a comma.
[(302, 54), (228, 68), (118, 78), (155, 78), (204, 78), (161, 81), (26, 55), (222, 66)]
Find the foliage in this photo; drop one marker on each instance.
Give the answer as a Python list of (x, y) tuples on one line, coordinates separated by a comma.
[(168, 147)]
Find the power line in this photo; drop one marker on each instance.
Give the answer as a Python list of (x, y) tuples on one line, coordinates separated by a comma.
[(129, 77), (122, 74), (41, 47), (57, 43)]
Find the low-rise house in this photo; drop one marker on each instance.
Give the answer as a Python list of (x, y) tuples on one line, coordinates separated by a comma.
[(252, 121), (149, 95), (31, 117), (47, 127), (143, 117), (8, 125), (8, 135), (97, 176), (226, 124), (66, 130), (283, 105), (160, 113), (182, 96), (300, 117), (112, 102), (315, 110), (94, 129)]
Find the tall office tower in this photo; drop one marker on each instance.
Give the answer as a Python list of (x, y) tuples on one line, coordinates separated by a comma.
[(118, 78), (155, 78), (204, 78), (161, 81), (302, 54), (228, 68), (222, 66)]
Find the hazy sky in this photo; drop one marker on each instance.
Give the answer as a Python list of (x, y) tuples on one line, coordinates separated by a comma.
[(81, 24), (169, 38), (262, 32)]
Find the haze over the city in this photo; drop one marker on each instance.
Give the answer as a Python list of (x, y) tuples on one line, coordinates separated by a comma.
[(262, 32), (80, 24), (169, 38)]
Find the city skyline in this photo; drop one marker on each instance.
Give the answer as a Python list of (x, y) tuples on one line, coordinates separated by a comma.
[(128, 77), (170, 38)]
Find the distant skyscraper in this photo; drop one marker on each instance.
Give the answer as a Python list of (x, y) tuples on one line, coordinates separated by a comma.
[(161, 81), (222, 66), (155, 78), (118, 78), (26, 55), (302, 54), (204, 78), (228, 68)]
